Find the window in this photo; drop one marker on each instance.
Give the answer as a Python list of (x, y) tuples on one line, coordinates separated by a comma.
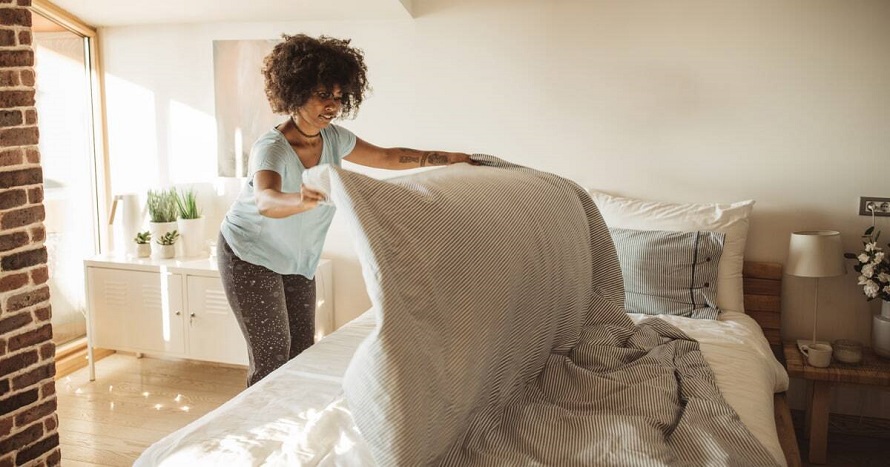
[(66, 107)]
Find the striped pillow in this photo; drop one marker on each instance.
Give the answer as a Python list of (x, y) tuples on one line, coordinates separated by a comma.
[(671, 273), (731, 219), (476, 275)]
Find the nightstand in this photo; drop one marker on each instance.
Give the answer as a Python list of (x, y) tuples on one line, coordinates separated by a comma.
[(873, 370)]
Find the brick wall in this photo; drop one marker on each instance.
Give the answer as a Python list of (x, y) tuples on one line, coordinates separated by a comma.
[(28, 422)]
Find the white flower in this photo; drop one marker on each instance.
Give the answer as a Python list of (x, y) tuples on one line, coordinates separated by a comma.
[(868, 270), (871, 289), (874, 267)]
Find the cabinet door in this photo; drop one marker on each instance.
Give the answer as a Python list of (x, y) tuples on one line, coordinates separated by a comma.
[(213, 332), (136, 310)]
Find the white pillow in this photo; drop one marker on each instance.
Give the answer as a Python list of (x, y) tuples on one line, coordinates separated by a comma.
[(730, 219)]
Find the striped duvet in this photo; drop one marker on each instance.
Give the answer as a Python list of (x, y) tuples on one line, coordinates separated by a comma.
[(500, 333)]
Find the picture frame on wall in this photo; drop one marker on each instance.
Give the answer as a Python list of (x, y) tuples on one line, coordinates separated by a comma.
[(242, 110)]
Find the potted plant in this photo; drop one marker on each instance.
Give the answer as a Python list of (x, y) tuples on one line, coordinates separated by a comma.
[(190, 222), (166, 243), (162, 213), (143, 244), (162, 206), (873, 266)]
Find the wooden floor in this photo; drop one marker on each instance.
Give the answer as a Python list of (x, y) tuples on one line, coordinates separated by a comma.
[(134, 402), (851, 442)]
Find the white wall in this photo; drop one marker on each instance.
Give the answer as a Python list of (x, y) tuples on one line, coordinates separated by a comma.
[(787, 103)]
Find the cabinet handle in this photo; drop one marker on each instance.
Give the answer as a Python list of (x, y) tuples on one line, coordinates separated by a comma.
[(191, 318), (178, 313)]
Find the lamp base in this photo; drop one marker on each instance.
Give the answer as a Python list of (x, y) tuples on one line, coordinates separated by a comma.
[(802, 342)]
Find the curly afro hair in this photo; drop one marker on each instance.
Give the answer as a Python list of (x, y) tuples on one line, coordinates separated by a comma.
[(299, 64)]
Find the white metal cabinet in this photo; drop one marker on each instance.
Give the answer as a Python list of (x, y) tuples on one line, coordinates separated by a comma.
[(213, 333), (174, 308), (138, 311)]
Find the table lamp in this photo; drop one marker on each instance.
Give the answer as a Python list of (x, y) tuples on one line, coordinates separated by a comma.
[(817, 254)]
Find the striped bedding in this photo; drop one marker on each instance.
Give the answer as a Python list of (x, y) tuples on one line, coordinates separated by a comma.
[(673, 273), (501, 336), (298, 415)]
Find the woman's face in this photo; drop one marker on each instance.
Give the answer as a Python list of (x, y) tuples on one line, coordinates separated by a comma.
[(322, 107)]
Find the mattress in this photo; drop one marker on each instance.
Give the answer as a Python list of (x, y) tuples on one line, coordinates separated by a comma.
[(298, 416)]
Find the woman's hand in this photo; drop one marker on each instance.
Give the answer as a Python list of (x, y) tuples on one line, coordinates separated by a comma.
[(310, 198), (272, 202)]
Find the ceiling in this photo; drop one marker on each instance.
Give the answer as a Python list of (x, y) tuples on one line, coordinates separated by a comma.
[(99, 13)]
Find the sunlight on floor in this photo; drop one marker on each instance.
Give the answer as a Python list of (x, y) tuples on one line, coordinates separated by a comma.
[(134, 402)]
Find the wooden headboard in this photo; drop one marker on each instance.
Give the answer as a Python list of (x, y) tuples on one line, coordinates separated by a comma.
[(763, 299)]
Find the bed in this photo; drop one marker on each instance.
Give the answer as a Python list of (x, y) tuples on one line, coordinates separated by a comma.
[(349, 399)]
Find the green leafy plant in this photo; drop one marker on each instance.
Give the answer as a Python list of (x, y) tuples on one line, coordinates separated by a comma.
[(168, 238), (143, 238), (162, 205), (187, 204)]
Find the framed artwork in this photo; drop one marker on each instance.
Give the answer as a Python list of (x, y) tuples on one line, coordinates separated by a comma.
[(242, 111)]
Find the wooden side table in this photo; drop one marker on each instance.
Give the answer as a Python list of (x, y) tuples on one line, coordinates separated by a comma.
[(872, 370)]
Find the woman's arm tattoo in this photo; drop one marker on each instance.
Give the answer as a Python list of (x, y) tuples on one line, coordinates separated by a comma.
[(410, 156), (436, 158)]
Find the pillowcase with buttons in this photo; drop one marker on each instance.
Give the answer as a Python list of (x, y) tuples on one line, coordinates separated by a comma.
[(731, 219), (671, 273)]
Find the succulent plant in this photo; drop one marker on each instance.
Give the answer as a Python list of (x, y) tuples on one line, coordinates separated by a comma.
[(168, 238), (143, 238)]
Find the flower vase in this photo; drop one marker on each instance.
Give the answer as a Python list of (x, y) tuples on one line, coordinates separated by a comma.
[(158, 229), (880, 331), (191, 237)]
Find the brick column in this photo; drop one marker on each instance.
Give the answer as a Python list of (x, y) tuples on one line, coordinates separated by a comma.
[(28, 422)]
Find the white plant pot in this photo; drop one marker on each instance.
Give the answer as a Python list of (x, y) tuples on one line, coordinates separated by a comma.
[(128, 217), (158, 229), (191, 237), (143, 250), (166, 251)]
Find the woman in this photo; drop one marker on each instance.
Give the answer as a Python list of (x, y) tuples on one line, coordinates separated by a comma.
[(272, 236)]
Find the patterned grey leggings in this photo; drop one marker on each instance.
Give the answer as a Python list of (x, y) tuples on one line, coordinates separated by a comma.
[(276, 312)]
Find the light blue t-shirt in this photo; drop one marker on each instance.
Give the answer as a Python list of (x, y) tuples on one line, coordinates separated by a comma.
[(293, 244)]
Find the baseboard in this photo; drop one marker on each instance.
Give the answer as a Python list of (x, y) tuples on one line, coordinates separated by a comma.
[(72, 356)]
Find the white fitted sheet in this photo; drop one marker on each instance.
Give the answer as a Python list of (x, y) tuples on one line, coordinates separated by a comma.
[(297, 415)]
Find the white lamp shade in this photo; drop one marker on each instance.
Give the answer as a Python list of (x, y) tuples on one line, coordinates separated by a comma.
[(815, 253)]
